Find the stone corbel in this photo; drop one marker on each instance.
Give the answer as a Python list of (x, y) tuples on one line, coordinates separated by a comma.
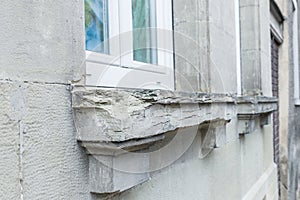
[(253, 112), (118, 166)]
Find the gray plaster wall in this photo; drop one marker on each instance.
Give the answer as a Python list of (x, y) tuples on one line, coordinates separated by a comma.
[(290, 113), (205, 44), (228, 173), (255, 47), (9, 145), (222, 53), (293, 119), (41, 51), (191, 31), (40, 157), (36, 37), (290, 179)]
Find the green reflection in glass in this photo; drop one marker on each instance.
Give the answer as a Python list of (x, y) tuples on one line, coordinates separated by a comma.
[(96, 25), (144, 31)]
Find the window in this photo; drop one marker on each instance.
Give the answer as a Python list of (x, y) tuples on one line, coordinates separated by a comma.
[(129, 43)]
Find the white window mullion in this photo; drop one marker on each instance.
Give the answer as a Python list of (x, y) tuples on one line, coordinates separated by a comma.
[(164, 32), (114, 30), (126, 44), (126, 37), (238, 47)]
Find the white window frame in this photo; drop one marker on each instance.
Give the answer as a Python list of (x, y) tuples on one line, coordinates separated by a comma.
[(238, 47), (118, 69), (295, 54)]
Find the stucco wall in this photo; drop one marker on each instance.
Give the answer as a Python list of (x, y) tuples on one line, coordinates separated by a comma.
[(287, 110), (294, 113), (41, 50)]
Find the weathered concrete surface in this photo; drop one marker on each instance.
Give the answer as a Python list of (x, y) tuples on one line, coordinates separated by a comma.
[(205, 32), (10, 176), (255, 47), (36, 37), (291, 147), (189, 18), (296, 152), (55, 167), (222, 53), (285, 104), (120, 115), (42, 50), (40, 159), (159, 113)]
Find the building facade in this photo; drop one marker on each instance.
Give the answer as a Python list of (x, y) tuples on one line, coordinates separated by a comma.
[(143, 99)]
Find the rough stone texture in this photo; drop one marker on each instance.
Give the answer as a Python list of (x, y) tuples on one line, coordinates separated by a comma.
[(55, 167), (40, 159), (42, 50), (36, 37), (111, 166), (121, 115), (10, 176), (124, 115)]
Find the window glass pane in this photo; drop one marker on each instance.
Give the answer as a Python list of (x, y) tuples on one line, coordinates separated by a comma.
[(144, 33), (96, 25)]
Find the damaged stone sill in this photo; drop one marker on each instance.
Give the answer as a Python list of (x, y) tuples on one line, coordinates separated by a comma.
[(254, 106), (112, 123), (254, 112), (117, 115)]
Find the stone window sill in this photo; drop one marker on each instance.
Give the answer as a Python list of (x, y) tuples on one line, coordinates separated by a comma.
[(111, 123)]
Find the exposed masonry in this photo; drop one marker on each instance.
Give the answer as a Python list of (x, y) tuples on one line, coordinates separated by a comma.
[(113, 123)]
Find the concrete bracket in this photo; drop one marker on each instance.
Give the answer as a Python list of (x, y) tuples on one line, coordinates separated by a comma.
[(253, 112)]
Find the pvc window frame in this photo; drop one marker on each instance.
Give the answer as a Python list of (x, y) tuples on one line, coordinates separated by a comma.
[(118, 69)]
